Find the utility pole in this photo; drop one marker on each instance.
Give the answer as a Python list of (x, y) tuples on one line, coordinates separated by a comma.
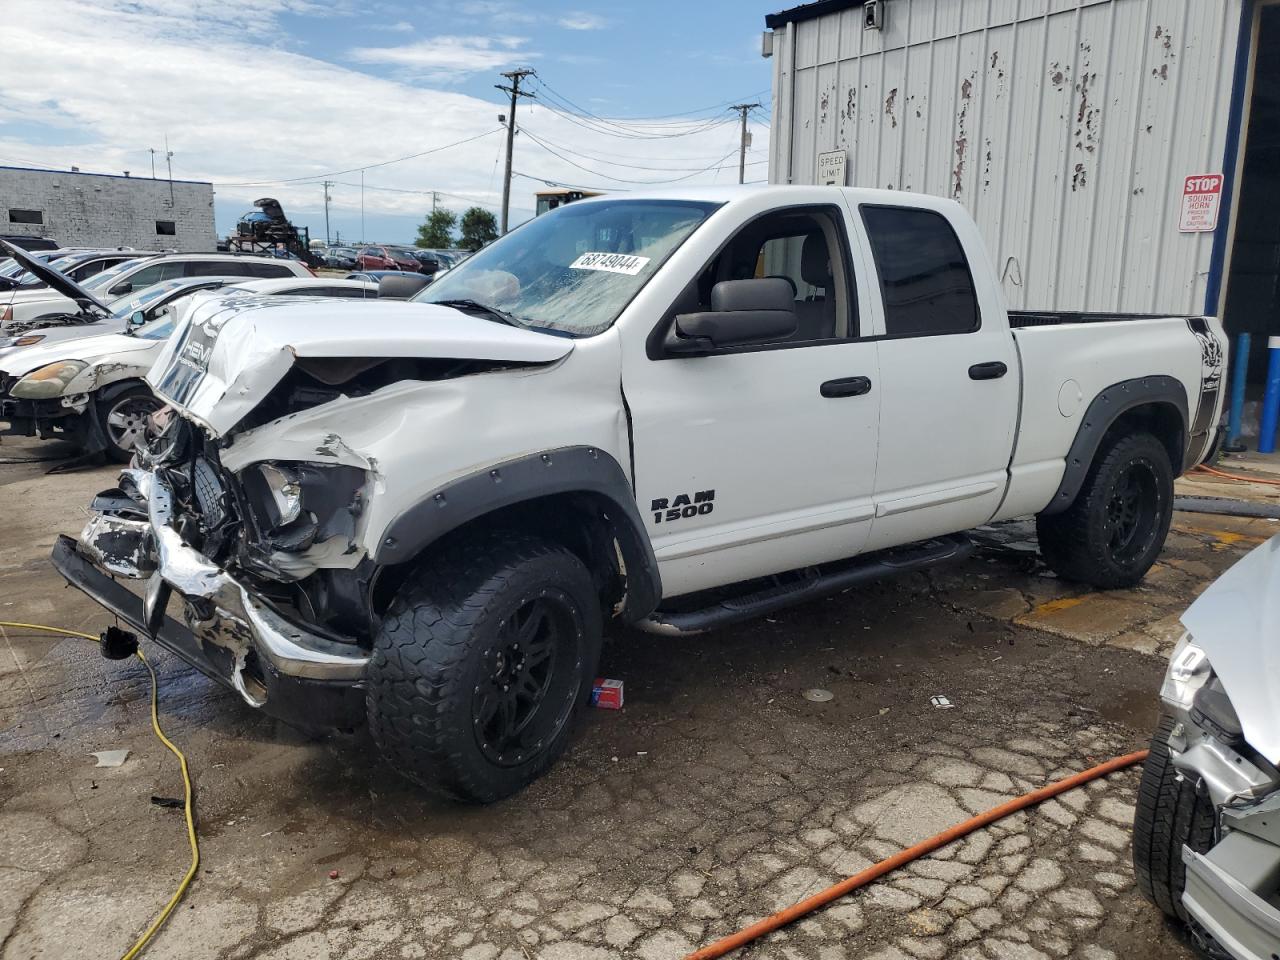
[(327, 198), (362, 240), (515, 76), (168, 159), (743, 109), (152, 151), (435, 199)]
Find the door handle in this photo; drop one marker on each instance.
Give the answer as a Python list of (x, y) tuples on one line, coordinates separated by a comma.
[(988, 371), (846, 387)]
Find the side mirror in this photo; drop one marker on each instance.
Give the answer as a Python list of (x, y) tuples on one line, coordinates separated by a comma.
[(124, 286), (137, 318), (743, 312)]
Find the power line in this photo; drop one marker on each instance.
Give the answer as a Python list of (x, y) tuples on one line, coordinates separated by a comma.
[(602, 157), (367, 166), (606, 176)]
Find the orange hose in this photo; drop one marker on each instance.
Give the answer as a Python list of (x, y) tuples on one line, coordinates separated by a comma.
[(1233, 476), (878, 870)]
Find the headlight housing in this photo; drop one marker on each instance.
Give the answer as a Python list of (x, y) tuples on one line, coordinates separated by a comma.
[(298, 504), (27, 340), (1189, 670), (49, 381)]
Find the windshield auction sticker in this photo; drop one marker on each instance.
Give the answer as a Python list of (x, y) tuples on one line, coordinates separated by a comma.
[(610, 263)]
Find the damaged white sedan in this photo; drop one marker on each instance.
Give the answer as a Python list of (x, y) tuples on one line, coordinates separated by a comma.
[(1206, 838), (85, 383)]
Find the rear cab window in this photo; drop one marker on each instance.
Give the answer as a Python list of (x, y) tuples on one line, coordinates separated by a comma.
[(924, 276)]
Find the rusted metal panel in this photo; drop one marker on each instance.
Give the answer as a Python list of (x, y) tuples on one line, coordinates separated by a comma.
[(1065, 126)]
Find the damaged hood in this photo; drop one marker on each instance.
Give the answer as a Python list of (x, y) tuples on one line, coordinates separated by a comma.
[(1237, 624), (103, 348), (231, 350)]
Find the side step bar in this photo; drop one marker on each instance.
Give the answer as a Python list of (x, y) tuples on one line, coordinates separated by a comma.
[(815, 582)]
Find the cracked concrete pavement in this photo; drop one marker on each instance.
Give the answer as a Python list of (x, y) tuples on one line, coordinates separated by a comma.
[(716, 796)]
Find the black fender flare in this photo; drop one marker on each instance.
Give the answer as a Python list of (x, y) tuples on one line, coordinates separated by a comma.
[(564, 470), (1105, 409)]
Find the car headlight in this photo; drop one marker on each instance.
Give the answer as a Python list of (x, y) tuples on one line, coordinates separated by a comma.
[(285, 494), (297, 504), (1189, 669), (49, 381), (28, 340)]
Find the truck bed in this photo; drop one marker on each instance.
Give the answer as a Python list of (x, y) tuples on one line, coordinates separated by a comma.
[(1048, 318)]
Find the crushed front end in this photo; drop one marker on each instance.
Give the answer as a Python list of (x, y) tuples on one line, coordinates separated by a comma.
[(1232, 890), (240, 558)]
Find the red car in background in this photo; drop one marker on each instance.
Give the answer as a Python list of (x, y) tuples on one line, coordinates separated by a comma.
[(387, 258)]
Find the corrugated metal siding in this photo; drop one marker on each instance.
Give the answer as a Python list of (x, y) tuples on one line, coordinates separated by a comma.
[(1065, 126)]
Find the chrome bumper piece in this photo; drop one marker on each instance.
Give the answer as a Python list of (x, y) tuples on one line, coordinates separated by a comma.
[(218, 610)]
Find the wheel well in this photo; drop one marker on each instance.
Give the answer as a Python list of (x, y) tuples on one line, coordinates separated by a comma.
[(1161, 420), (588, 524)]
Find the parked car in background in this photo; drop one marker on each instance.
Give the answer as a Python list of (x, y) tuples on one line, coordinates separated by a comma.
[(82, 265), (97, 318), (90, 389), (387, 258), (438, 503), (1206, 831), (133, 275), (30, 243), (341, 258), (428, 261)]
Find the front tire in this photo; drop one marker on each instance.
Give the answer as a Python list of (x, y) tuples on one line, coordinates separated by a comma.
[(481, 663), (1113, 532), (1170, 813), (122, 416)]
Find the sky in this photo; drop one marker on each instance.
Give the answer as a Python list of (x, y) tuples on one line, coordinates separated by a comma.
[(271, 97)]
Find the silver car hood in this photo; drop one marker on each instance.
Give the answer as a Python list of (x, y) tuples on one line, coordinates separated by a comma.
[(1237, 624), (229, 351)]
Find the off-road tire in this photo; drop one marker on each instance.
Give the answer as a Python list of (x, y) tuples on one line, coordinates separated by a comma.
[(137, 396), (1169, 813), (1077, 543), (434, 651)]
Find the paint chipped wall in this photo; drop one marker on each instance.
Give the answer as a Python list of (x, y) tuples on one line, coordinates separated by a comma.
[(1066, 128)]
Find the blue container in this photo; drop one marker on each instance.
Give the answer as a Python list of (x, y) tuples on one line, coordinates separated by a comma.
[(1238, 383), (1271, 399)]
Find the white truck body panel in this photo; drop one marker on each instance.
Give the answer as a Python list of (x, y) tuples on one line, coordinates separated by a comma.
[(798, 479)]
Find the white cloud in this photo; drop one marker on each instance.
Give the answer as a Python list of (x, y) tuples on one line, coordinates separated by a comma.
[(130, 72), (583, 21), (447, 58)]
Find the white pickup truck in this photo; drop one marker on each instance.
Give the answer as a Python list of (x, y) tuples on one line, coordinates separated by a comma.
[(677, 410)]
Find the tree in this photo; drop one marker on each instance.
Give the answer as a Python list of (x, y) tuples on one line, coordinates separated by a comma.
[(436, 232), (479, 226)]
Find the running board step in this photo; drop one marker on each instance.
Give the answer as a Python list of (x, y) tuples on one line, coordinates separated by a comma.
[(816, 582)]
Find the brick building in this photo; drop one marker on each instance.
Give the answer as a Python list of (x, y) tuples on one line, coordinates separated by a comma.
[(107, 210)]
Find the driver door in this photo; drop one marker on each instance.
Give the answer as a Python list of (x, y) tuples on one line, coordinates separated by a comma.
[(758, 459)]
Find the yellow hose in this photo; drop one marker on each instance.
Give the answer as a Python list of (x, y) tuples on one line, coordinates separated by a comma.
[(188, 802)]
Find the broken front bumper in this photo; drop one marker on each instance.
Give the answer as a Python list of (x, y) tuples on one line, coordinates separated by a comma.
[(284, 668)]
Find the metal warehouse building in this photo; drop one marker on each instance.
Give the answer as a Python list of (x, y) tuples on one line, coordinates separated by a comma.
[(1118, 155), (102, 210)]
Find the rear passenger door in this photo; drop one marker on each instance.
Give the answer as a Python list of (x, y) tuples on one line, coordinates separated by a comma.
[(949, 401)]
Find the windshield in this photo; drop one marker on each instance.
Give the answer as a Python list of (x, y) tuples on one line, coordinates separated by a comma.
[(576, 268), (157, 291), (100, 281)]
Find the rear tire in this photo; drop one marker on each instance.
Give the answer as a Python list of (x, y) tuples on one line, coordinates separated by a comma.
[(1113, 532), (1170, 813), (481, 663)]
